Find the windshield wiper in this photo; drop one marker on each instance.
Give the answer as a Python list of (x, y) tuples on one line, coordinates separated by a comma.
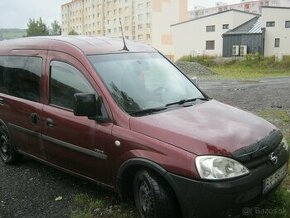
[(148, 111), (183, 101)]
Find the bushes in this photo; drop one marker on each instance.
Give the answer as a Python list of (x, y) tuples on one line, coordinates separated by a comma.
[(286, 61), (254, 60), (204, 60)]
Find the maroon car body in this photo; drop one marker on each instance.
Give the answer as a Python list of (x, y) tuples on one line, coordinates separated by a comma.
[(111, 152)]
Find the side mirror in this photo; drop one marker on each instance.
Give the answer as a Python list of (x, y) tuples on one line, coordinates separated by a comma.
[(89, 106), (85, 105)]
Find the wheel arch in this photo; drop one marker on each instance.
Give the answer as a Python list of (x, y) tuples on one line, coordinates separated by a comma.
[(129, 168), (127, 171)]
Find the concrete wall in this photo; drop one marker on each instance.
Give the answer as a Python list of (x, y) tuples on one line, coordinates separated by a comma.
[(279, 15), (189, 38)]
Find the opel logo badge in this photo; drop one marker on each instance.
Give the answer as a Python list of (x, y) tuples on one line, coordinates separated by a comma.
[(273, 157)]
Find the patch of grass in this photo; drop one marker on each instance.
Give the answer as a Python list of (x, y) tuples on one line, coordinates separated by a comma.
[(90, 207), (279, 203), (252, 66), (204, 60), (248, 72)]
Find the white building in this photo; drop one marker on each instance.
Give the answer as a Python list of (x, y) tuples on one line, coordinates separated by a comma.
[(203, 36), (276, 22), (253, 6)]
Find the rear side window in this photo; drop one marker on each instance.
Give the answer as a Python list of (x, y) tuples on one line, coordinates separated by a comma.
[(65, 81), (20, 76)]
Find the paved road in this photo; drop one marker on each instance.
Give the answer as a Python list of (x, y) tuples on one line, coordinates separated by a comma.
[(30, 188)]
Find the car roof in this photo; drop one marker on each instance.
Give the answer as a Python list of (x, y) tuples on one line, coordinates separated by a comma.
[(88, 45)]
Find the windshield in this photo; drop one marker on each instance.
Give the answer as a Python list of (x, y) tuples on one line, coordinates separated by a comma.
[(140, 81)]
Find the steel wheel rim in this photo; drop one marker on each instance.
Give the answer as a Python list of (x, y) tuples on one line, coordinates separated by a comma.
[(4, 146), (146, 200)]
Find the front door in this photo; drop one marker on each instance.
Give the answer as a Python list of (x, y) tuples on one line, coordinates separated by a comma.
[(74, 143)]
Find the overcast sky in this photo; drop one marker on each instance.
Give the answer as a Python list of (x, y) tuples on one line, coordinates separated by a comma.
[(16, 13)]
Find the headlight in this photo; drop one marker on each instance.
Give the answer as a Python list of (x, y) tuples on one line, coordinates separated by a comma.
[(217, 167), (285, 144)]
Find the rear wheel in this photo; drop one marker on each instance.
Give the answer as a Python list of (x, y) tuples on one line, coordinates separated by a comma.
[(153, 197), (8, 153)]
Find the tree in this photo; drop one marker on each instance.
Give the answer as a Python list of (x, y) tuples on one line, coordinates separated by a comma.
[(1, 36), (55, 28), (36, 28), (73, 32)]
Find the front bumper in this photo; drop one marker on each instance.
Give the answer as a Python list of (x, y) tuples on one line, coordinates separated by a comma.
[(200, 198)]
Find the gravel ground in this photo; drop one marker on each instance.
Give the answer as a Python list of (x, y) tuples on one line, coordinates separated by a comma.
[(31, 189), (251, 95)]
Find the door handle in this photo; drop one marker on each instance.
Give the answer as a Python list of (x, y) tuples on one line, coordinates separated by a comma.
[(49, 123), (33, 118), (1, 101)]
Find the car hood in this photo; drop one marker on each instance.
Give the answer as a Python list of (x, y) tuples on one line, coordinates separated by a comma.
[(207, 128)]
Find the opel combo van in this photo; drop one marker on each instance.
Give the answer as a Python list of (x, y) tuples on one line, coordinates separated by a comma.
[(123, 116)]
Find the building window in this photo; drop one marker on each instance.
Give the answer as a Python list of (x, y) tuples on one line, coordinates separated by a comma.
[(277, 42), (226, 26), (287, 24), (210, 45), (140, 17), (270, 23), (210, 28)]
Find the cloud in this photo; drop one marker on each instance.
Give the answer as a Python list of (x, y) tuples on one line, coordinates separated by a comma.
[(15, 13)]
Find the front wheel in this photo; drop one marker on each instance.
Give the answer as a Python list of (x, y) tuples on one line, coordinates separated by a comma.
[(8, 153), (153, 197)]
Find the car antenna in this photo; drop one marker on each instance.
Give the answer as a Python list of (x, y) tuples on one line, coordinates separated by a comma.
[(124, 42)]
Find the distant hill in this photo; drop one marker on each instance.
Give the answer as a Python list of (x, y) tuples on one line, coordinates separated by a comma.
[(11, 33)]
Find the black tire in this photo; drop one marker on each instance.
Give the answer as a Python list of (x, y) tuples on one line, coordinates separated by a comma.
[(8, 153), (153, 197)]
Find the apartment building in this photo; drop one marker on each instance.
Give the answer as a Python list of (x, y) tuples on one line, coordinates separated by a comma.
[(276, 24), (203, 36), (147, 21), (253, 6)]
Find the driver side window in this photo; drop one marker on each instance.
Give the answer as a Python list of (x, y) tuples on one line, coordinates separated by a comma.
[(65, 81)]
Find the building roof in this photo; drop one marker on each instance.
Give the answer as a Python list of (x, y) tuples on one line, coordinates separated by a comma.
[(253, 26), (210, 15), (276, 7), (84, 44)]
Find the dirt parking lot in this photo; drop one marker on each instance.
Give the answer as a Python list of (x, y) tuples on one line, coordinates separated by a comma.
[(31, 189)]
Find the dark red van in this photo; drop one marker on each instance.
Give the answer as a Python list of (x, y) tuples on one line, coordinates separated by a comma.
[(126, 118)]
